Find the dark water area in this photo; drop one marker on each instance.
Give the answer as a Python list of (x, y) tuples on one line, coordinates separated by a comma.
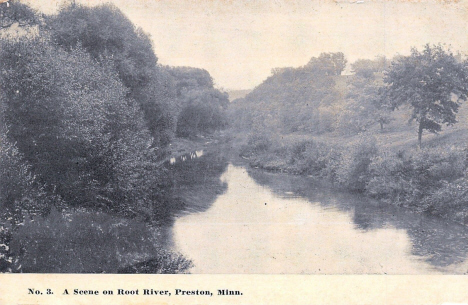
[(241, 220)]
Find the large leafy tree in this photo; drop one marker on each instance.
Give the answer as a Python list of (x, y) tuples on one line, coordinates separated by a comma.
[(366, 104), (433, 82), (328, 63), (203, 112), (200, 106), (110, 37), (71, 119)]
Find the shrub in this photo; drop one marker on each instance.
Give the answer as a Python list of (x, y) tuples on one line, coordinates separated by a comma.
[(83, 137), (310, 157), (450, 199), (256, 144), (392, 179), (434, 165), (8, 260), (20, 194), (19, 191), (353, 171), (408, 179)]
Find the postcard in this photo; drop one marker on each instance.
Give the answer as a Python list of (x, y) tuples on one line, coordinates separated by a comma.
[(233, 152)]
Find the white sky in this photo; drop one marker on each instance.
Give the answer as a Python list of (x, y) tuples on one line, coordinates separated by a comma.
[(239, 42)]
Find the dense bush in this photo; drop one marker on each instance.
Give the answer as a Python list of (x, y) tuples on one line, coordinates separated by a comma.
[(20, 196), (311, 157), (256, 144), (353, 171), (391, 179), (20, 193), (84, 138), (203, 112), (410, 178), (451, 199), (8, 260)]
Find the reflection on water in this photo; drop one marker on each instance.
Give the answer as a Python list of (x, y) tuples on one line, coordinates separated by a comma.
[(257, 222)]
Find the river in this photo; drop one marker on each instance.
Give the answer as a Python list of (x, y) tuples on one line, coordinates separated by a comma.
[(241, 220)]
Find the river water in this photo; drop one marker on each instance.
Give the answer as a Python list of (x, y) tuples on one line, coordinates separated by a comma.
[(241, 220)]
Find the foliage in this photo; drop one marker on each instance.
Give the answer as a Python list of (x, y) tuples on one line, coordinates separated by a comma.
[(257, 143), (392, 179), (20, 196), (112, 39), (15, 12), (201, 107), (84, 139), (187, 79), (105, 31), (312, 158), (328, 64), (167, 262), (8, 261), (432, 82), (451, 199), (353, 171), (365, 104), (367, 68), (408, 178), (294, 99)]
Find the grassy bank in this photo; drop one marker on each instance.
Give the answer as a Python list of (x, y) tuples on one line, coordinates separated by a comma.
[(433, 179)]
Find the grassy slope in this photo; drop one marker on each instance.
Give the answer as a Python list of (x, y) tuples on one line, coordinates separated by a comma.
[(398, 135)]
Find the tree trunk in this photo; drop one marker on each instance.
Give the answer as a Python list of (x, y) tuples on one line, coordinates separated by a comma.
[(420, 131)]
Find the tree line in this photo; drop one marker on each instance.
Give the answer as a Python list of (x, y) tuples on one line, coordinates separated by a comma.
[(317, 99), (352, 130)]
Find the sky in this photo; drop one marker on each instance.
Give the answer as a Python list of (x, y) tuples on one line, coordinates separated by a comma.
[(239, 42)]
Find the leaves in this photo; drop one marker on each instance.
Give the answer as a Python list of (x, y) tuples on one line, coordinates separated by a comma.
[(432, 82)]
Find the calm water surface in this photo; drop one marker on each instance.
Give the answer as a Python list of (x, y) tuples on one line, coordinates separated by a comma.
[(239, 220)]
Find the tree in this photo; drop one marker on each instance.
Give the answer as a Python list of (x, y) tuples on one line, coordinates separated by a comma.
[(295, 99), (74, 124), (328, 63), (203, 112), (199, 106), (368, 68), (432, 82), (15, 12), (366, 103), (110, 37)]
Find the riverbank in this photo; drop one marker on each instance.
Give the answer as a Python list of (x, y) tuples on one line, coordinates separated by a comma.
[(431, 180), (183, 146)]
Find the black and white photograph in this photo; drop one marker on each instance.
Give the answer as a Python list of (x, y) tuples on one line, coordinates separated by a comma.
[(234, 137)]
